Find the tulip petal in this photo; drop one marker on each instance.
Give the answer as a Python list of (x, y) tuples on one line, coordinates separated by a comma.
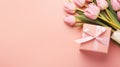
[(92, 11)]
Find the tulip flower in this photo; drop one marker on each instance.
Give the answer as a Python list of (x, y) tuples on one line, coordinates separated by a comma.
[(118, 15), (69, 7), (80, 3), (89, 0), (92, 11), (70, 20), (115, 4), (115, 36), (102, 4)]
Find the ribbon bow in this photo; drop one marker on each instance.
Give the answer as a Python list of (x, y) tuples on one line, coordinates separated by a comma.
[(99, 31)]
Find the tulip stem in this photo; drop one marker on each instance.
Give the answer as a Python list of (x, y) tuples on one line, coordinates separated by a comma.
[(105, 16), (112, 17), (112, 24), (87, 20)]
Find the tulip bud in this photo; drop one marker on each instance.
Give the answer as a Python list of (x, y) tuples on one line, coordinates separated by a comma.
[(69, 7), (80, 3), (115, 4), (118, 15), (92, 11), (70, 20), (89, 0), (102, 4), (116, 36)]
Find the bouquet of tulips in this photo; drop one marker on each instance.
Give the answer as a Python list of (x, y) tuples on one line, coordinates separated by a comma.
[(100, 12)]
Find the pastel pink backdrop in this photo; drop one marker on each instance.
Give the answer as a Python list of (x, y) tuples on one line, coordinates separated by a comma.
[(32, 34)]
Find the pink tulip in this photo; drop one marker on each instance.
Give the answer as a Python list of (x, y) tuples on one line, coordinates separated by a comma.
[(118, 15), (92, 11), (70, 20), (69, 7), (102, 4), (115, 4), (80, 3), (89, 0)]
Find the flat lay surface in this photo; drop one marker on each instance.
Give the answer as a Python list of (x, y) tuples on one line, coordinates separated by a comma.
[(33, 34)]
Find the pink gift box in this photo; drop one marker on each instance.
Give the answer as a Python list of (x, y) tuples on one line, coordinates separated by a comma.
[(95, 38)]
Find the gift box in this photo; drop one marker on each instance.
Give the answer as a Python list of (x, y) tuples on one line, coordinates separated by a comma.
[(95, 38)]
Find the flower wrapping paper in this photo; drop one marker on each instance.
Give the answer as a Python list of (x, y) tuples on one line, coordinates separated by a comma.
[(95, 38)]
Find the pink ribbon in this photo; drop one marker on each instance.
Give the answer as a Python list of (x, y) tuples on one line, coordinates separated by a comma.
[(99, 31)]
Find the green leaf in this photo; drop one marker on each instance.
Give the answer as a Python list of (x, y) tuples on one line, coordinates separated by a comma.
[(112, 13), (111, 9), (85, 19)]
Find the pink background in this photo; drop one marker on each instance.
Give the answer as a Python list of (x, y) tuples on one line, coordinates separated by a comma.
[(32, 34)]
